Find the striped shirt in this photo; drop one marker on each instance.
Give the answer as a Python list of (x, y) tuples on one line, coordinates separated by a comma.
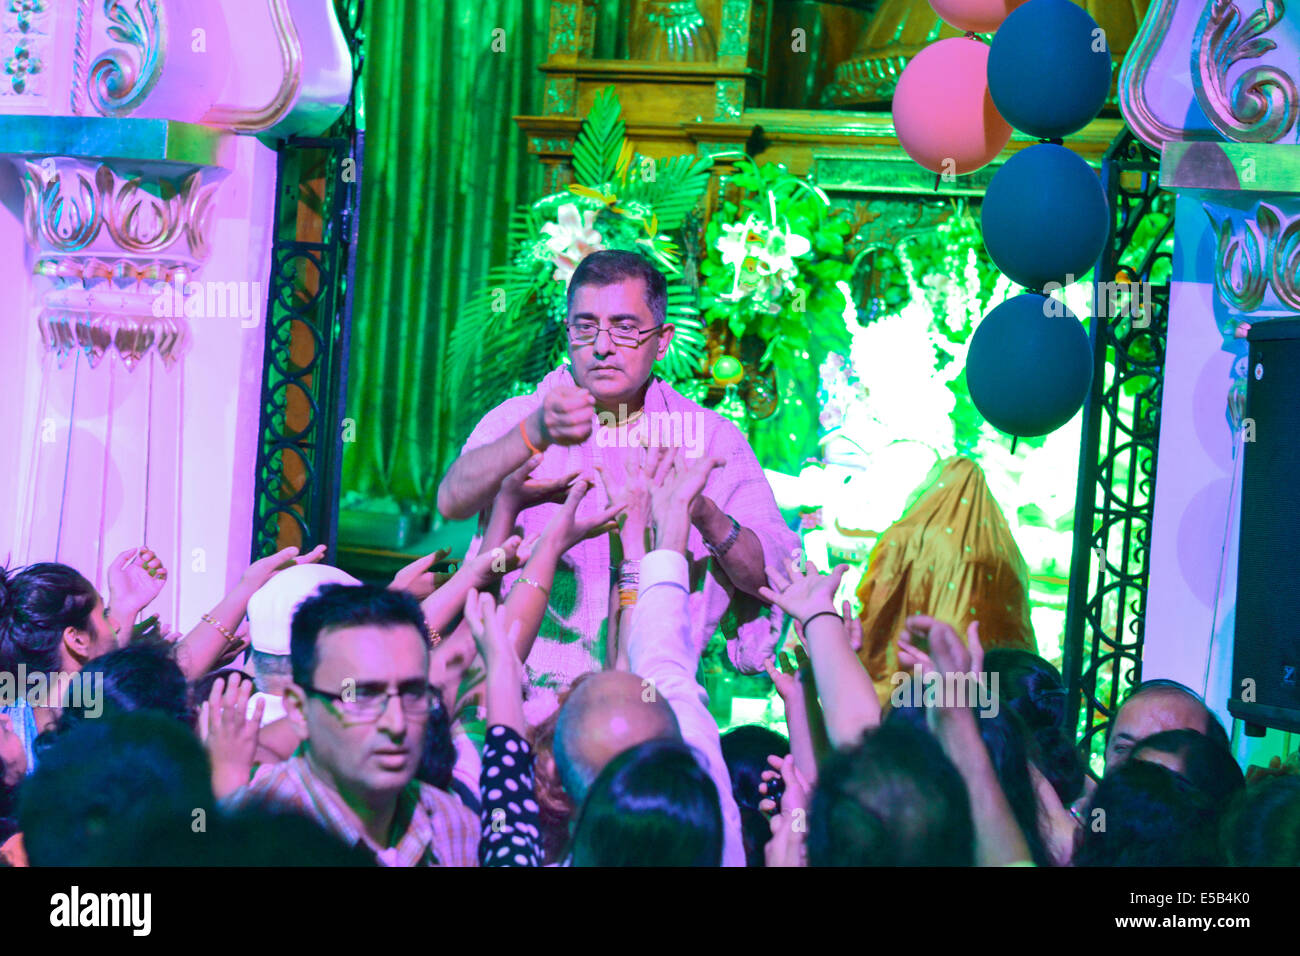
[(435, 828)]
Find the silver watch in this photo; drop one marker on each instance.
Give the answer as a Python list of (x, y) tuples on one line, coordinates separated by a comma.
[(722, 549)]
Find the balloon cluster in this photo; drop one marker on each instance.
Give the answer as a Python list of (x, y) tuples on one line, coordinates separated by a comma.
[(1045, 217)]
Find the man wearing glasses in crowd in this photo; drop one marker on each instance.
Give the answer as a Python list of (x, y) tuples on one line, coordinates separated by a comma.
[(585, 419), (360, 697)]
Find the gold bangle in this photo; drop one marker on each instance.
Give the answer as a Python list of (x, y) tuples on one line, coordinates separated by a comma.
[(626, 598), (525, 580), (209, 619), (435, 637)]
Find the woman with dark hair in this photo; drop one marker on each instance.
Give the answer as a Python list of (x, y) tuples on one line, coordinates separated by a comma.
[(1004, 736), (746, 749), (1144, 814), (51, 619), (1031, 687), (652, 805), (136, 677)]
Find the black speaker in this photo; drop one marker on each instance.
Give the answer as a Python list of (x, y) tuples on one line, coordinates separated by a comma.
[(1266, 645)]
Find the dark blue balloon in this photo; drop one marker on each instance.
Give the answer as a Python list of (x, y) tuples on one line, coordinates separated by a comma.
[(1045, 73), (1029, 366), (1045, 216)]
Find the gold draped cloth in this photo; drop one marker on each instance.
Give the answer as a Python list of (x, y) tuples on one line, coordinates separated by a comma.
[(950, 556)]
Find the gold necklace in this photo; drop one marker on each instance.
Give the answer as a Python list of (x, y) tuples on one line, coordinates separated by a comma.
[(627, 421)]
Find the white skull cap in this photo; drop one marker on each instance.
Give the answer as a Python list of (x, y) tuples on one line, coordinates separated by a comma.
[(271, 608)]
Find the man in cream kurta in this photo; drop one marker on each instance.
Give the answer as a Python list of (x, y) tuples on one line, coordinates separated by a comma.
[(594, 411)]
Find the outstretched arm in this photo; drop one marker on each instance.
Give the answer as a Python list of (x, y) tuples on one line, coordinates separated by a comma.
[(444, 605), (207, 643), (743, 559), (473, 480), (526, 603), (998, 838), (849, 701), (509, 816), (660, 649)]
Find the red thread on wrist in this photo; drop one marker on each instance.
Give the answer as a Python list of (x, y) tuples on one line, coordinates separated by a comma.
[(531, 447)]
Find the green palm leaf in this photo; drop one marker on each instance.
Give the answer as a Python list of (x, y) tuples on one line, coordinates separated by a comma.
[(493, 338), (598, 144), (687, 349), (679, 183)]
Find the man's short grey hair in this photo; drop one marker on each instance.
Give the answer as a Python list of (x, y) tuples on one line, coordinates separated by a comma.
[(272, 665)]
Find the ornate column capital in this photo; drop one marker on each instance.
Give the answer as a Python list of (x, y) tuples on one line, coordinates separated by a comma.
[(1251, 194), (110, 235)]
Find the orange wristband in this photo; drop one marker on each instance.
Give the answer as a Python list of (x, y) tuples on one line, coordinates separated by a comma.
[(531, 447)]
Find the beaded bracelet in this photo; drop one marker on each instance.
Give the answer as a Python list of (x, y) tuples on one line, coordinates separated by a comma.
[(209, 619), (525, 580)]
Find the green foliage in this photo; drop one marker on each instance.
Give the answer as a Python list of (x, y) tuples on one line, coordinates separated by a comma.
[(687, 351), (599, 143), (679, 182), (799, 315), (510, 333)]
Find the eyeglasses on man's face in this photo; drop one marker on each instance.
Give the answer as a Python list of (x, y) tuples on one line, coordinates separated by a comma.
[(625, 334), (367, 702)]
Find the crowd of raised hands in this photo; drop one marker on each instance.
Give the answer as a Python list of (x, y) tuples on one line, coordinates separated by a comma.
[(854, 783)]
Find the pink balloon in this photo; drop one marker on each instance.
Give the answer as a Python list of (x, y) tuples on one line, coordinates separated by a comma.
[(943, 111), (978, 16)]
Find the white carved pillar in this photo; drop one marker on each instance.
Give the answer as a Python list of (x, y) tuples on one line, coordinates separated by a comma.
[(137, 175), (1212, 85)]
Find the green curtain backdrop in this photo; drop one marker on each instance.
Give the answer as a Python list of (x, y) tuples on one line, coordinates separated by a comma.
[(445, 164)]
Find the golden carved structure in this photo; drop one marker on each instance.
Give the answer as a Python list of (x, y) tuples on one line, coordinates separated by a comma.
[(900, 29)]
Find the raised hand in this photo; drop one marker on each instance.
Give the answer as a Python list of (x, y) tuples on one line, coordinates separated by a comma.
[(496, 637), (417, 578), (261, 571), (947, 654), (230, 733), (565, 529), (674, 485), (135, 578), (634, 493), (803, 715), (801, 593), (493, 632), (520, 491), (487, 566), (786, 679), (852, 632), (564, 417)]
